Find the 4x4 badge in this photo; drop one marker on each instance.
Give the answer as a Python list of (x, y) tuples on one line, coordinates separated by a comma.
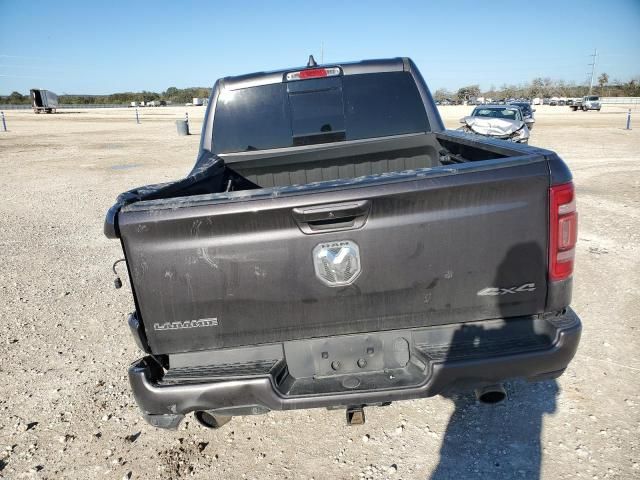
[(494, 291)]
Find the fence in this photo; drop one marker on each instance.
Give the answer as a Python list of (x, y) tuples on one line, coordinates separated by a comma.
[(620, 100)]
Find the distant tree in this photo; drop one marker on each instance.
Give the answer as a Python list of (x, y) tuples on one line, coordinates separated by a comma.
[(507, 91), (149, 96), (603, 79), (491, 93), (16, 98), (536, 89), (631, 88), (185, 95), (465, 93), (442, 94), (561, 88), (170, 92)]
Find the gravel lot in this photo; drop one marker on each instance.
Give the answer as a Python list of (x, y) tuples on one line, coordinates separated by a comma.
[(65, 406)]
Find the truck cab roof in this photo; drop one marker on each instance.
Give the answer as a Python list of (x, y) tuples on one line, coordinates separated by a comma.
[(397, 64)]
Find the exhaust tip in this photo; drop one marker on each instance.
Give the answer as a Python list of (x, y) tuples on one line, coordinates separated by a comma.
[(209, 420), (491, 394)]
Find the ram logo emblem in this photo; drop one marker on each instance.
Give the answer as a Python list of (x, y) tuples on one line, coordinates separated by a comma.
[(337, 263)]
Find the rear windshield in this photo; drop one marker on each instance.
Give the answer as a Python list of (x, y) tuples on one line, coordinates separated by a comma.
[(312, 111), (593, 99)]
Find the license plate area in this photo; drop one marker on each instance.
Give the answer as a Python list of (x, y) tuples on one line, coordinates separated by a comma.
[(347, 355)]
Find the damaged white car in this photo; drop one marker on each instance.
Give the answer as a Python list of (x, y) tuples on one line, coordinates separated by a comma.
[(498, 121)]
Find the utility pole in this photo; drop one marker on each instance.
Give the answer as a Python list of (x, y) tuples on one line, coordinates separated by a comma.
[(593, 68)]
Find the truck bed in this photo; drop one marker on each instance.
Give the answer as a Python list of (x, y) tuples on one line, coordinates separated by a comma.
[(353, 160)]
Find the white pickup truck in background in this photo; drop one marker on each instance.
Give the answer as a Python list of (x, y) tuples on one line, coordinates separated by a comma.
[(589, 102)]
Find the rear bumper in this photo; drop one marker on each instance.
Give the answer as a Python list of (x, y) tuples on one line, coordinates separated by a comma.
[(430, 371)]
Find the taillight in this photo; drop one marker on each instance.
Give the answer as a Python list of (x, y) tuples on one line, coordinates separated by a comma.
[(313, 73), (563, 231)]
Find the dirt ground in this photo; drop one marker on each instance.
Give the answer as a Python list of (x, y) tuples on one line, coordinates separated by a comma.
[(65, 406)]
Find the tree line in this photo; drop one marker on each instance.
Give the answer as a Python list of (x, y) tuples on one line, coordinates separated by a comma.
[(545, 88), (538, 87), (171, 94)]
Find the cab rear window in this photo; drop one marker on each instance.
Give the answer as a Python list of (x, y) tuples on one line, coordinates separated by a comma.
[(320, 110)]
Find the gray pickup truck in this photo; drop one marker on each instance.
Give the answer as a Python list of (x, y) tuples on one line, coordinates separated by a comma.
[(335, 246)]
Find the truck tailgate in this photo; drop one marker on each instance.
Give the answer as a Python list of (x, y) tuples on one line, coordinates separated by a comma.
[(434, 247)]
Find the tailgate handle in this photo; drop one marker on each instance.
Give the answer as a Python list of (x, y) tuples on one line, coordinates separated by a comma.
[(332, 217)]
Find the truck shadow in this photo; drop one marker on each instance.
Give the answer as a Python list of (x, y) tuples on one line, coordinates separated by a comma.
[(498, 441)]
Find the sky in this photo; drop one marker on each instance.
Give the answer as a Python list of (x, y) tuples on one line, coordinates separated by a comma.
[(84, 47)]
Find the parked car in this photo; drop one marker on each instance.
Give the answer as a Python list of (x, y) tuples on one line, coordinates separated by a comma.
[(527, 111), (335, 246), (505, 122), (589, 102)]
